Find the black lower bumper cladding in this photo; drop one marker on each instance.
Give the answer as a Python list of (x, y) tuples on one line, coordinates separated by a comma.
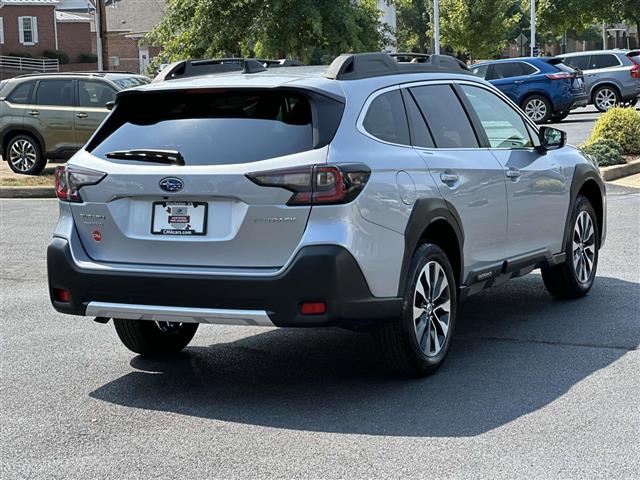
[(323, 273)]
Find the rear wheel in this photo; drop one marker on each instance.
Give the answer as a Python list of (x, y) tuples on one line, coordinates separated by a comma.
[(416, 343), (574, 278), (605, 98), (154, 338), (537, 108), (25, 156)]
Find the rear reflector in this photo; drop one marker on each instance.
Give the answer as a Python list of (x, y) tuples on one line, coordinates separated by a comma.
[(62, 295), (313, 308)]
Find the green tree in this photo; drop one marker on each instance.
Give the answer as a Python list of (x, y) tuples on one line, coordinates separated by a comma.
[(413, 29), (477, 27), (267, 28)]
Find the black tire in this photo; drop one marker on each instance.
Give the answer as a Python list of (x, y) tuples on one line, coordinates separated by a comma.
[(632, 102), (609, 92), (32, 160), (154, 339), (537, 101), (562, 280), (398, 338), (559, 116)]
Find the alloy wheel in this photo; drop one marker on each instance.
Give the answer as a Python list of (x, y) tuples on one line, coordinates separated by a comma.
[(431, 309), (606, 99), (535, 109), (584, 247), (22, 155)]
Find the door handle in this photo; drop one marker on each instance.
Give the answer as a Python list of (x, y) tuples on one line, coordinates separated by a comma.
[(33, 113), (449, 178), (518, 82), (81, 115), (513, 173)]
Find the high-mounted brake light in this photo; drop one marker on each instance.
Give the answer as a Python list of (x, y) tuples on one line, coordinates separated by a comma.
[(69, 180), (559, 76), (317, 184)]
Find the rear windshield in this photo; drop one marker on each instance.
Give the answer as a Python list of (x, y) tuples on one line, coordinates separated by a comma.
[(210, 128), (558, 63)]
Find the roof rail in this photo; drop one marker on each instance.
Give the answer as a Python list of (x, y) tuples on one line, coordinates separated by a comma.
[(366, 65), (195, 68)]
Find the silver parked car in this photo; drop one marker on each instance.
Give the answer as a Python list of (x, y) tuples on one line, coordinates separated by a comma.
[(612, 77), (371, 194)]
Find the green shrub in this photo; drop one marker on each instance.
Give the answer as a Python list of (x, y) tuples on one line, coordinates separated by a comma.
[(605, 152), (621, 125), (87, 58), (62, 57), (20, 54)]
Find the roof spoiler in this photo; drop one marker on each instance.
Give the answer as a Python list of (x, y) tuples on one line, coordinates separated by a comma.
[(196, 68), (366, 65)]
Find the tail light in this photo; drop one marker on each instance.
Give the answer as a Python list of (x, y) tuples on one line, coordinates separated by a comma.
[(69, 180), (559, 76), (317, 184), (635, 71)]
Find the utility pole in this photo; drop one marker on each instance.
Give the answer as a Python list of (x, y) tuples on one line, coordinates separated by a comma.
[(604, 36), (436, 26), (101, 36), (533, 27)]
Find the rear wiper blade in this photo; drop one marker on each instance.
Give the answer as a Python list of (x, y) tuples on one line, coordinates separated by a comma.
[(172, 157)]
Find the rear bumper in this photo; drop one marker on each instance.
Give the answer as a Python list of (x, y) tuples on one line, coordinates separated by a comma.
[(323, 273), (581, 100)]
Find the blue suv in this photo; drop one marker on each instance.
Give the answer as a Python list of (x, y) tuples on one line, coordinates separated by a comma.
[(545, 88)]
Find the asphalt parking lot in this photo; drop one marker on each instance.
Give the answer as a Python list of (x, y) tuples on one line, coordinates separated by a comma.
[(533, 388)]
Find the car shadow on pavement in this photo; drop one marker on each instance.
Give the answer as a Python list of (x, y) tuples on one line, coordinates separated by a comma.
[(516, 350)]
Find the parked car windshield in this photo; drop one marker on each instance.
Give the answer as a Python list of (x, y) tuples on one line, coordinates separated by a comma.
[(130, 82), (212, 128)]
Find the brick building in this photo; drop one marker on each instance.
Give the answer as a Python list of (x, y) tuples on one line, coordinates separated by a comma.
[(29, 28)]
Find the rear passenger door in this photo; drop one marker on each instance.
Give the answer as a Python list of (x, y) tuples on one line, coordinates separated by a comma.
[(513, 78), (93, 96), (51, 114), (468, 176), (537, 185)]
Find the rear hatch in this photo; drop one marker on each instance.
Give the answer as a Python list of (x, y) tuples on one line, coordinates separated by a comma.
[(573, 77), (176, 191)]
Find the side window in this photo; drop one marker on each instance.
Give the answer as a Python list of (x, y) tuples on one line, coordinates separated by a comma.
[(504, 127), (527, 69), (446, 119), (420, 136), (480, 71), (55, 93), (507, 70), (21, 93), (387, 120), (580, 62), (94, 94), (604, 61)]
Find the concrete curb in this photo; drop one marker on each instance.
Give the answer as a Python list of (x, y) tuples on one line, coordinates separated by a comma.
[(618, 171), (27, 192), (608, 174)]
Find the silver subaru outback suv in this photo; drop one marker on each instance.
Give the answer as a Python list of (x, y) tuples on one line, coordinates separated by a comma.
[(376, 194)]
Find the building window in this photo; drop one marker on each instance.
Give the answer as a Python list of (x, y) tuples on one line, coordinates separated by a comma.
[(28, 29), (1, 30)]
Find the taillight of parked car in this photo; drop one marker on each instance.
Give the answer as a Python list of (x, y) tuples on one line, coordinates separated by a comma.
[(559, 76), (317, 184), (69, 180), (635, 71)]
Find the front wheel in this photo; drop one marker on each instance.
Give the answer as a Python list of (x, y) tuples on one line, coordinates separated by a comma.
[(574, 278), (416, 343), (154, 338), (537, 108)]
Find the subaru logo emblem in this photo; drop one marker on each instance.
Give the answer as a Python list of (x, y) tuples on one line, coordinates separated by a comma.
[(171, 184)]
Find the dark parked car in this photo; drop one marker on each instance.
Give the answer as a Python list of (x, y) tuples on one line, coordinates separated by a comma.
[(545, 88)]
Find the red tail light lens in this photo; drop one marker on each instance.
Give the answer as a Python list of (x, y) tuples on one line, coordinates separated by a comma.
[(559, 76), (317, 184), (69, 180), (635, 71)]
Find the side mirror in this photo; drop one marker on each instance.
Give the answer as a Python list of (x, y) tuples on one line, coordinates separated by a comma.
[(110, 105), (552, 138)]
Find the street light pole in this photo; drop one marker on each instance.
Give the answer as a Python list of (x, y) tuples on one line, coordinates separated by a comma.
[(533, 27), (436, 26)]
